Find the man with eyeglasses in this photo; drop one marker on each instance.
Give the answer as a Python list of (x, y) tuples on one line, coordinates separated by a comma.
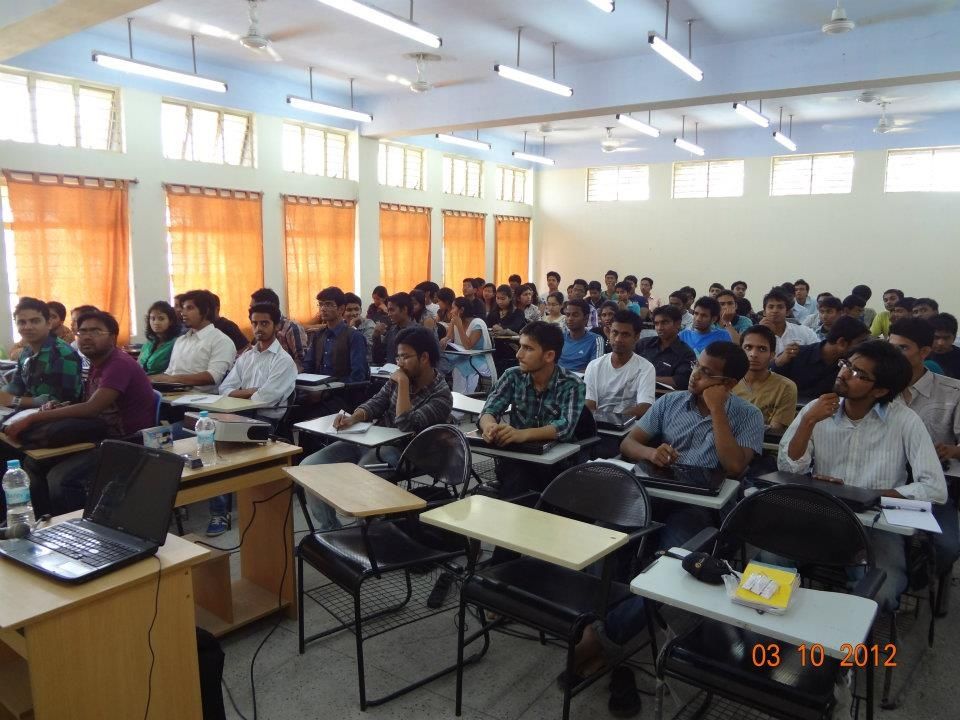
[(336, 349), (856, 435)]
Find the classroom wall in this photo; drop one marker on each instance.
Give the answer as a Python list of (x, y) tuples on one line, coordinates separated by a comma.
[(143, 159), (905, 240)]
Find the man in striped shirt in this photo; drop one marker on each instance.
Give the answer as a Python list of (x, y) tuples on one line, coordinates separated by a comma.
[(858, 436)]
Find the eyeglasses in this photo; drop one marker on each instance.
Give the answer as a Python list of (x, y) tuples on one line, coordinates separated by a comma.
[(854, 371), (404, 358), (92, 332), (699, 369), (326, 304)]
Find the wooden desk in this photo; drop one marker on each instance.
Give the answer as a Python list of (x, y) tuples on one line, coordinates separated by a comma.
[(354, 491), (80, 651), (47, 453), (552, 538), (372, 438), (224, 404), (815, 616), (560, 451), (254, 472)]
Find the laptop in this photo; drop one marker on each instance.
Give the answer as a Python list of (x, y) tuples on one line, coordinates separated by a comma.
[(857, 499), (532, 448), (126, 518), (613, 421), (681, 478), (172, 387)]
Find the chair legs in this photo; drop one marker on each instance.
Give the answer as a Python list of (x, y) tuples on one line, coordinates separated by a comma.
[(301, 590), (358, 632), (885, 702), (461, 628), (571, 647)]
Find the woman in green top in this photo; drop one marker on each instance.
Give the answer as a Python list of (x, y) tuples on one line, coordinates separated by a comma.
[(163, 329)]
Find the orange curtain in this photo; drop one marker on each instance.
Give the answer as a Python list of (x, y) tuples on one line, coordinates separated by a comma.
[(320, 251), (463, 247), (71, 243), (404, 246), (512, 248), (216, 243)]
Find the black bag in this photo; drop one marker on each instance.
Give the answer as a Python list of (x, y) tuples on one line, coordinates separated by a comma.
[(65, 432), (210, 655)]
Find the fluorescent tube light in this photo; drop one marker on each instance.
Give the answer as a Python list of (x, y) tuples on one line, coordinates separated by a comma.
[(688, 146), (465, 142), (785, 141), (605, 5), (667, 52), (386, 21), (511, 73), (324, 109), (750, 114), (135, 67), (639, 126), (533, 158)]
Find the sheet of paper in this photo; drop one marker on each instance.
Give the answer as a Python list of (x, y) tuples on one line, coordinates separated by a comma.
[(309, 377), (325, 425), (625, 464), (193, 399), (909, 513), (385, 369), (12, 417)]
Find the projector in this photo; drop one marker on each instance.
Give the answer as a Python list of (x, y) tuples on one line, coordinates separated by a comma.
[(232, 428)]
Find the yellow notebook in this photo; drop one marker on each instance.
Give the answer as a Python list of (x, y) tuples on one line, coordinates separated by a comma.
[(787, 580)]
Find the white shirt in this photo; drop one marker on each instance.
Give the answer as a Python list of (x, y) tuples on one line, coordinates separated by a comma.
[(794, 333), (871, 453), (936, 399), (206, 350), (272, 372), (616, 389)]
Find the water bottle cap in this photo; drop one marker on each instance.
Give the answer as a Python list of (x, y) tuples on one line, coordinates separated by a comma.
[(203, 413), (13, 464)]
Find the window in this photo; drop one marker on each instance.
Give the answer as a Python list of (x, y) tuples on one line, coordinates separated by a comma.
[(39, 109), (206, 134), (404, 246), (462, 176), (622, 182), (314, 150), (708, 179), (827, 174), (923, 170), (400, 166), (464, 252), (512, 184)]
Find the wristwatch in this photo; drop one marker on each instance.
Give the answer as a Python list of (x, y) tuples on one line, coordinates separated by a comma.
[(17, 399)]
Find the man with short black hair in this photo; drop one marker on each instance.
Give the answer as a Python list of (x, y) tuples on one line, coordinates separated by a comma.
[(354, 318), (802, 297), (790, 336), (858, 436), (678, 299), (646, 288), (853, 306), (925, 308), (227, 326), (739, 289), (638, 299), (623, 298), (621, 381), (902, 309), (553, 283), (515, 281), (729, 317), (671, 358), (864, 291), (594, 294), (399, 310), (774, 395), (610, 279), (714, 290), (880, 327), (579, 345), (289, 333), (337, 349), (829, 308), (706, 312), (945, 352), (814, 368)]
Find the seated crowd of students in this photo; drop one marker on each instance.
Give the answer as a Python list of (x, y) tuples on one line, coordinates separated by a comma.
[(879, 391)]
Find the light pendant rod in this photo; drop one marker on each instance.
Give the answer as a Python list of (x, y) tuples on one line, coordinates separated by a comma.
[(660, 45), (451, 139), (644, 127), (607, 6), (320, 108), (785, 140), (536, 81), (750, 114), (386, 20)]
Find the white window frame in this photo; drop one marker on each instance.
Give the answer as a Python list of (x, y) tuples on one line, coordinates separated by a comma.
[(933, 185), (246, 153), (327, 134), (505, 172), (709, 191), (458, 165), (628, 177), (411, 155), (814, 185)]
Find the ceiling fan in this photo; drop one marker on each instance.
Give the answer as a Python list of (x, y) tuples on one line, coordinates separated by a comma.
[(254, 39), (891, 125), (611, 144), (839, 22)]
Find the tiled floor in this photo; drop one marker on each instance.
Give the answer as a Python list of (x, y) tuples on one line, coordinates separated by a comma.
[(514, 681)]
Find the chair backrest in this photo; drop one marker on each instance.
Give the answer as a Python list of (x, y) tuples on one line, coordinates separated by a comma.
[(440, 451), (586, 425), (157, 400), (599, 492), (802, 523)]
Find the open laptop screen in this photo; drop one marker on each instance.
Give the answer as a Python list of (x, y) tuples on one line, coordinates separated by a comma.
[(134, 490)]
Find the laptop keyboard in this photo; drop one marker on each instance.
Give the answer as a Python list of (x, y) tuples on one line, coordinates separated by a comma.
[(73, 542)]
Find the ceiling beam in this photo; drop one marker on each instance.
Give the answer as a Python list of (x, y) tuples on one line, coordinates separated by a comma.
[(64, 18)]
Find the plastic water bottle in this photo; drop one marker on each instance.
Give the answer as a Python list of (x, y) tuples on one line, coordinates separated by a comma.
[(206, 446), (16, 488)]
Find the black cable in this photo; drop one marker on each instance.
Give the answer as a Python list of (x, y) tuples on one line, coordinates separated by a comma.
[(232, 701), (253, 515), (153, 657)]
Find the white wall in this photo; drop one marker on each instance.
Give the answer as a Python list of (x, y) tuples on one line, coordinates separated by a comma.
[(905, 240), (143, 159)]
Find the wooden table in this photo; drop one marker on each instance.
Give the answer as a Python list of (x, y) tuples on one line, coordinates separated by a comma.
[(552, 538), (80, 651), (254, 473), (46, 453), (353, 490), (224, 404)]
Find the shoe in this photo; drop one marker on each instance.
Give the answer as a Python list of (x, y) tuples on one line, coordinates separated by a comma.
[(563, 682), (440, 590), (218, 525), (624, 699)]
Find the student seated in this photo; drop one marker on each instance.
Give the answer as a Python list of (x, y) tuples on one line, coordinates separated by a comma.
[(545, 404), (480, 309), (117, 391), (813, 368), (553, 312), (621, 381), (623, 299), (377, 309), (858, 436), (945, 352), (854, 306), (902, 309), (678, 299), (829, 308), (670, 356), (469, 333), (578, 291), (353, 317), (57, 328), (607, 310), (505, 316), (415, 397), (227, 326), (579, 345), (528, 302), (790, 336), (701, 333), (445, 298), (290, 334), (774, 395), (400, 312), (880, 327), (610, 279), (48, 369), (203, 355), (729, 316), (802, 297), (336, 349), (419, 312), (646, 288), (925, 308), (864, 291), (163, 327), (706, 426)]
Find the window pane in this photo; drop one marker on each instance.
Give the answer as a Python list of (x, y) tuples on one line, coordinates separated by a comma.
[(394, 166), (832, 174), (173, 126), (725, 178), (56, 114), (236, 139), (292, 148), (382, 164), (447, 174), (96, 118), (909, 170), (413, 169), (205, 137), (474, 178), (690, 180), (313, 151), (791, 175), (15, 122), (601, 184), (946, 170), (336, 155)]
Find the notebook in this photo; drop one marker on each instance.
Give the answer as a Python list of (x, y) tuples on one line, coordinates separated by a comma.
[(310, 379), (613, 421), (756, 576), (856, 498), (532, 448), (170, 387), (682, 478), (128, 511)]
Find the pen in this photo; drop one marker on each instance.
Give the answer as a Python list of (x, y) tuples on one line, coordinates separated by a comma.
[(901, 507)]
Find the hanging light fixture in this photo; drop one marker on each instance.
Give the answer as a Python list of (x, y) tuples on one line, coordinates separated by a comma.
[(541, 83), (785, 140), (157, 72), (607, 6), (684, 144), (323, 109), (386, 20), (540, 159), (645, 127), (752, 115), (462, 141), (669, 53)]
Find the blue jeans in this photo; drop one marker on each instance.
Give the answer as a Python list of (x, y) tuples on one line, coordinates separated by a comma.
[(343, 452), (947, 543)]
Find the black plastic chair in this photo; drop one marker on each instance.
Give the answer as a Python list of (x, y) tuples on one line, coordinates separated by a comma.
[(816, 531), (556, 601)]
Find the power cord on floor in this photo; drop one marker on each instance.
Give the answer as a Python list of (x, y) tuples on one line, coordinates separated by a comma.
[(253, 516), (153, 656)]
